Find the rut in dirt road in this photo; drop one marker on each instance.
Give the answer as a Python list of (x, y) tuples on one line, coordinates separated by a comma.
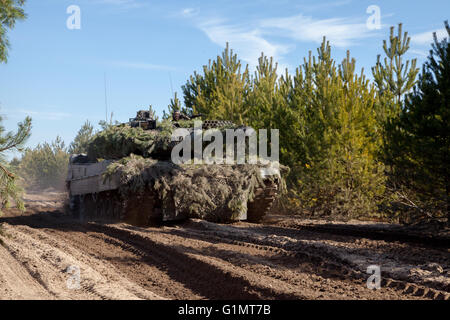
[(45, 262), (174, 269), (201, 260)]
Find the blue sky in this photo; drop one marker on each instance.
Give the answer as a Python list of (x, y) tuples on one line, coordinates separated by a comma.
[(146, 48)]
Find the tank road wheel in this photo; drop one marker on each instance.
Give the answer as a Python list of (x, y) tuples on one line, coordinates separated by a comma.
[(112, 205), (263, 201), (89, 206), (142, 210), (102, 206), (75, 206)]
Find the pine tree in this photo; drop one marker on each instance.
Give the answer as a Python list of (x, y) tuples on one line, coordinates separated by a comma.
[(221, 91), (262, 98), (105, 124), (9, 141), (175, 105), (270, 107), (81, 141), (45, 166), (423, 131), (10, 12), (393, 79), (338, 173)]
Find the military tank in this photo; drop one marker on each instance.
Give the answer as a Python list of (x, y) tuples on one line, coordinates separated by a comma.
[(127, 175)]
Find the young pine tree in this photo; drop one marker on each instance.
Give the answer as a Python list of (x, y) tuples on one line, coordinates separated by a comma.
[(393, 78), (221, 91), (81, 141), (340, 175), (270, 107), (175, 105), (10, 12), (423, 131), (263, 96), (9, 141), (45, 166)]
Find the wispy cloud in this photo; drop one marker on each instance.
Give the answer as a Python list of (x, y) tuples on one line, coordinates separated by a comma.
[(426, 38), (250, 42), (140, 65), (342, 32), (277, 37), (189, 12), (42, 115), (324, 6)]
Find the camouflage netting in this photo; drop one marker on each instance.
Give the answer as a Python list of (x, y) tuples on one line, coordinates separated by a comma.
[(117, 142), (120, 141), (218, 193)]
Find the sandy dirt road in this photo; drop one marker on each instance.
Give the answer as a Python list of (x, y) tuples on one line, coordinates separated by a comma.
[(41, 253)]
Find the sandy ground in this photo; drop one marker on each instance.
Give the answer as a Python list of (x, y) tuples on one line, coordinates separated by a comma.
[(42, 252)]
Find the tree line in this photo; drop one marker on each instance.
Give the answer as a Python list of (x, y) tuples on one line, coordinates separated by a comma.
[(355, 147)]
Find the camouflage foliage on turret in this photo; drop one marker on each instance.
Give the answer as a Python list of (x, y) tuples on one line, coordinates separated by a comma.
[(218, 193)]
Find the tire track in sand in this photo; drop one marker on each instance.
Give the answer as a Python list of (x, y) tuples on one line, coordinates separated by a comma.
[(200, 276), (47, 259)]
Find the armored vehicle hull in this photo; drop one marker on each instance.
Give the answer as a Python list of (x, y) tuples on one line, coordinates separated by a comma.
[(94, 197)]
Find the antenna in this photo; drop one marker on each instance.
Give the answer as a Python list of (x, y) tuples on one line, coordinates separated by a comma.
[(171, 86), (106, 100)]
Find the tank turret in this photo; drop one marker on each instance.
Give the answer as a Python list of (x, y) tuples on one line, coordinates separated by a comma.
[(144, 120)]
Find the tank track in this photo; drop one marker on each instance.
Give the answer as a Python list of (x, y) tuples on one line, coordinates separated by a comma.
[(145, 209), (263, 201), (109, 206)]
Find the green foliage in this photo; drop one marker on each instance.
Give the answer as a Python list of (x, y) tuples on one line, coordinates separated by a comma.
[(393, 79), (10, 12), (116, 142), (221, 91), (421, 135), (120, 141), (10, 141), (81, 141), (337, 172), (152, 112), (46, 165), (14, 163), (327, 116), (263, 99), (271, 106), (218, 193), (105, 124), (175, 104)]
